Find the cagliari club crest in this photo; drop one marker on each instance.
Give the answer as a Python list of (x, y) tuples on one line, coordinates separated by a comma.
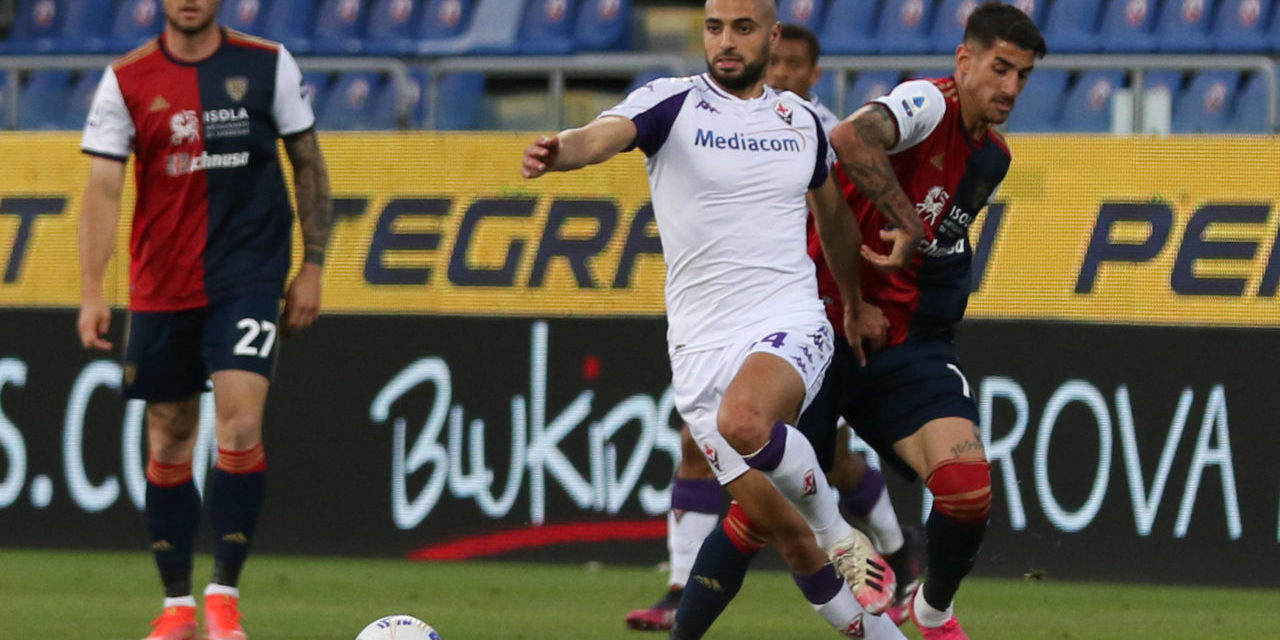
[(237, 86)]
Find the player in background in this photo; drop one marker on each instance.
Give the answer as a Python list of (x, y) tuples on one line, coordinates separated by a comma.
[(695, 496), (201, 109), (733, 168), (925, 160)]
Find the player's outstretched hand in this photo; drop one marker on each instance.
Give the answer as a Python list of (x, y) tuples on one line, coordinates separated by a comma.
[(901, 255), (93, 323), (540, 155), (302, 301)]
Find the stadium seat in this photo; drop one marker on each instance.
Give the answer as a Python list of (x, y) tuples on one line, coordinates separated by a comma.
[(1126, 26), (387, 114), (1169, 79), (948, 27), (825, 89), (646, 76), (1240, 26), (37, 26), (904, 27), (1071, 26), (547, 28), (1035, 9), (42, 101), (391, 28), (289, 23), (1087, 107), (86, 27), (483, 27), (868, 86), (338, 25), (849, 28), (603, 25), (1040, 103), (315, 84), (806, 13), (1183, 26), (81, 98), (464, 109), (4, 99), (246, 16), (1250, 113), (349, 104), (1205, 105), (136, 22)]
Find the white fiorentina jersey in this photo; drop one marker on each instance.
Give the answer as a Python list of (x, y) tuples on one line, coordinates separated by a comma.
[(728, 179)]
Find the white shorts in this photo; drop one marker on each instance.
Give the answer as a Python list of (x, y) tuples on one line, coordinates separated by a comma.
[(699, 380)]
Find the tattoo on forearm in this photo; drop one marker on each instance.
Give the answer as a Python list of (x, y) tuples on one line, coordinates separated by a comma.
[(311, 185), (871, 172)]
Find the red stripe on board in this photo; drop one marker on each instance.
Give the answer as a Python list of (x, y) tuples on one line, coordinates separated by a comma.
[(532, 537)]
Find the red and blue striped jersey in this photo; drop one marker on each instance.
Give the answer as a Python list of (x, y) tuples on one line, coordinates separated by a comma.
[(212, 218), (950, 176)]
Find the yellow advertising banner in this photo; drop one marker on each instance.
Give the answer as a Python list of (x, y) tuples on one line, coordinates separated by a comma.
[(1094, 229)]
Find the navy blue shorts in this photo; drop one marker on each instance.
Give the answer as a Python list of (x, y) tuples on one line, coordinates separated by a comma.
[(900, 390), (169, 355)]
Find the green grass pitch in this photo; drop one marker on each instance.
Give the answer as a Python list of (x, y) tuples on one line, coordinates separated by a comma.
[(65, 595)]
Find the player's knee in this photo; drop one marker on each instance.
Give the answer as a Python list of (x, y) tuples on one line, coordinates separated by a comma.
[(743, 426), (742, 532), (962, 489)]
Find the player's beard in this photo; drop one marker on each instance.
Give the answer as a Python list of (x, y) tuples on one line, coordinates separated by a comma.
[(193, 30), (750, 74)]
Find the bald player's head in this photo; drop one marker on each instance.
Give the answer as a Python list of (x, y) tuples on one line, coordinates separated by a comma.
[(737, 36)]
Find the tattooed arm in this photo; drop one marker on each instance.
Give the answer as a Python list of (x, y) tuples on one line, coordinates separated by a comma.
[(315, 213), (861, 142)]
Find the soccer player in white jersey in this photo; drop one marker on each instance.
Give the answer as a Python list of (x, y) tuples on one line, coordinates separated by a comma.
[(733, 168), (695, 495)]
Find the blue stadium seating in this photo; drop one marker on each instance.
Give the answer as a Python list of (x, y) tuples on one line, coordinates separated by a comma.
[(868, 86), (850, 27), (1274, 38), (316, 83), (4, 99), (81, 98), (349, 104), (1071, 26), (1205, 105), (483, 27), (464, 108), (59, 26), (1169, 79), (904, 27), (247, 16), (547, 28), (84, 29), (645, 77), (1087, 107), (391, 28), (1126, 26), (338, 26), (386, 112), (806, 13), (136, 22), (37, 26), (1035, 9), (603, 25), (1183, 26), (1241, 26), (1040, 104), (1250, 114), (42, 102), (825, 89), (940, 72), (289, 23), (948, 27)]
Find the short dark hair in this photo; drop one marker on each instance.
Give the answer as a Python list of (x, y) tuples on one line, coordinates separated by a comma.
[(996, 20), (798, 32)]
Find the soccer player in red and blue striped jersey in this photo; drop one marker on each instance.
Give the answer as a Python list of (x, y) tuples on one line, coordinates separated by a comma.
[(201, 108)]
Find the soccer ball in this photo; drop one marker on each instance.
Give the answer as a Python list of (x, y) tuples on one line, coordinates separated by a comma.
[(398, 627)]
